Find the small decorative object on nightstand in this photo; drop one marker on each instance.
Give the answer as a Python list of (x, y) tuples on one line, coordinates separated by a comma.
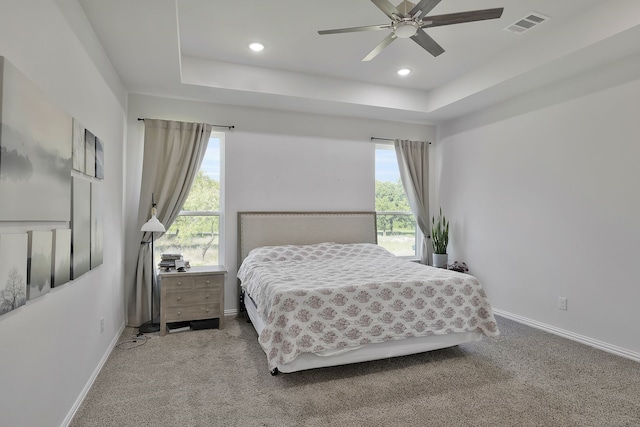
[(460, 267), (195, 294)]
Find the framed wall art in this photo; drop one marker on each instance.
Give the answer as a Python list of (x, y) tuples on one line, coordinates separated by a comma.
[(97, 244), (99, 159), (80, 228), (39, 264), (61, 265), (35, 152), (13, 271), (78, 146), (89, 153)]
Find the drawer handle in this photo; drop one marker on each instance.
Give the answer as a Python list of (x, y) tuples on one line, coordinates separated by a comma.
[(207, 281), (179, 298), (207, 296), (179, 313), (179, 283), (207, 310)]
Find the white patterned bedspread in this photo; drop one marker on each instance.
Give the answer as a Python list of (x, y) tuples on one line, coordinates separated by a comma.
[(330, 296)]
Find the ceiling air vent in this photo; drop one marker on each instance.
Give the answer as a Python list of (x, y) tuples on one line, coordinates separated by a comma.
[(527, 22)]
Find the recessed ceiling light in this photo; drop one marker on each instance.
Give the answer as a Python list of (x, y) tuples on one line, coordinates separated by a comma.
[(256, 47), (404, 71)]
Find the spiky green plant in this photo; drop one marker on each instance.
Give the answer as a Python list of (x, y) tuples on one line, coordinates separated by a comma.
[(440, 233)]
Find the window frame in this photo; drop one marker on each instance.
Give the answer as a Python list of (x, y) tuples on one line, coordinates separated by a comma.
[(218, 213)]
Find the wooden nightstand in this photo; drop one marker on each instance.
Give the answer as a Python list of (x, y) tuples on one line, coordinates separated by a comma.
[(195, 294)]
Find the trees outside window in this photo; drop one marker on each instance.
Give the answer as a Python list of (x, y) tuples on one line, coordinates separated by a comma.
[(396, 224)]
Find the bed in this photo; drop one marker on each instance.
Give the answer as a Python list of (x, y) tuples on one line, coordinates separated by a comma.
[(320, 292)]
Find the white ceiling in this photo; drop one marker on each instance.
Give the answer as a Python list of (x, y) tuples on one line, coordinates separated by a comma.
[(198, 49)]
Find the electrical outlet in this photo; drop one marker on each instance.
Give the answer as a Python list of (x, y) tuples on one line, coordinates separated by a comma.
[(102, 325), (562, 303)]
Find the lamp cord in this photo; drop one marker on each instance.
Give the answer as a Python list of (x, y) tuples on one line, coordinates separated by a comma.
[(132, 343)]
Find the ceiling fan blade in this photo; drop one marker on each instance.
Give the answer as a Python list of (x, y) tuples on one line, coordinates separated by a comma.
[(461, 17), (425, 6), (388, 9), (427, 43), (356, 29), (386, 42)]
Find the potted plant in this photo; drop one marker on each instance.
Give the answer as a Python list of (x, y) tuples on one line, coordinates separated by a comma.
[(440, 240)]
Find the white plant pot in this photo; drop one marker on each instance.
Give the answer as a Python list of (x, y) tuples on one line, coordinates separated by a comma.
[(440, 260)]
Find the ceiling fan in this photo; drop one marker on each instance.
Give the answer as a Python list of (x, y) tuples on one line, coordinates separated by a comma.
[(410, 23)]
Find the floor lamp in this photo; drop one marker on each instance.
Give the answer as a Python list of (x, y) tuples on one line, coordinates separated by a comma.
[(152, 226)]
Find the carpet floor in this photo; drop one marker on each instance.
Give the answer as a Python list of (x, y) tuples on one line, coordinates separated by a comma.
[(220, 378)]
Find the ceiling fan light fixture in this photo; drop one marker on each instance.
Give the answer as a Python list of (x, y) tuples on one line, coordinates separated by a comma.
[(256, 47), (405, 29), (403, 71)]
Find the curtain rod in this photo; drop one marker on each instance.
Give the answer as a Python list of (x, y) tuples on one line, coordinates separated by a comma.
[(384, 139), (215, 126)]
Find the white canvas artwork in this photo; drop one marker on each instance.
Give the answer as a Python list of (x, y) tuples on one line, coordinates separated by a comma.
[(97, 245), (13, 271), (99, 159), (61, 266), (81, 228), (90, 153), (35, 152), (78, 146), (39, 264)]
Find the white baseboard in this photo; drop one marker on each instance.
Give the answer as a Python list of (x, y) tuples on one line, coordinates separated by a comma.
[(231, 312), (87, 387), (609, 348)]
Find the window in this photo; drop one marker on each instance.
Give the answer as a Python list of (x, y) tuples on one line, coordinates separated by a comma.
[(196, 231), (396, 224)]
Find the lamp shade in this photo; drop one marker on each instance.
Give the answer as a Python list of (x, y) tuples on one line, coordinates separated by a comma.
[(153, 224)]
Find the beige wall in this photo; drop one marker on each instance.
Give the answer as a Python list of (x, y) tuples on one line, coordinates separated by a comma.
[(543, 202)]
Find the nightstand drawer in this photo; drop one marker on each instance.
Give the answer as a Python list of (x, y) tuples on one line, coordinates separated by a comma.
[(175, 283), (200, 296), (208, 281), (194, 312)]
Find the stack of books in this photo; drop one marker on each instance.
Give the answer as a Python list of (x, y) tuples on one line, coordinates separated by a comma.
[(171, 262)]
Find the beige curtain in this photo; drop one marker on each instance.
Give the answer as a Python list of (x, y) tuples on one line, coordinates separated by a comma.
[(173, 152), (413, 162)]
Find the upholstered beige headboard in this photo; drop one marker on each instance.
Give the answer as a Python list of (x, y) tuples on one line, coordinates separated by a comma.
[(257, 229)]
